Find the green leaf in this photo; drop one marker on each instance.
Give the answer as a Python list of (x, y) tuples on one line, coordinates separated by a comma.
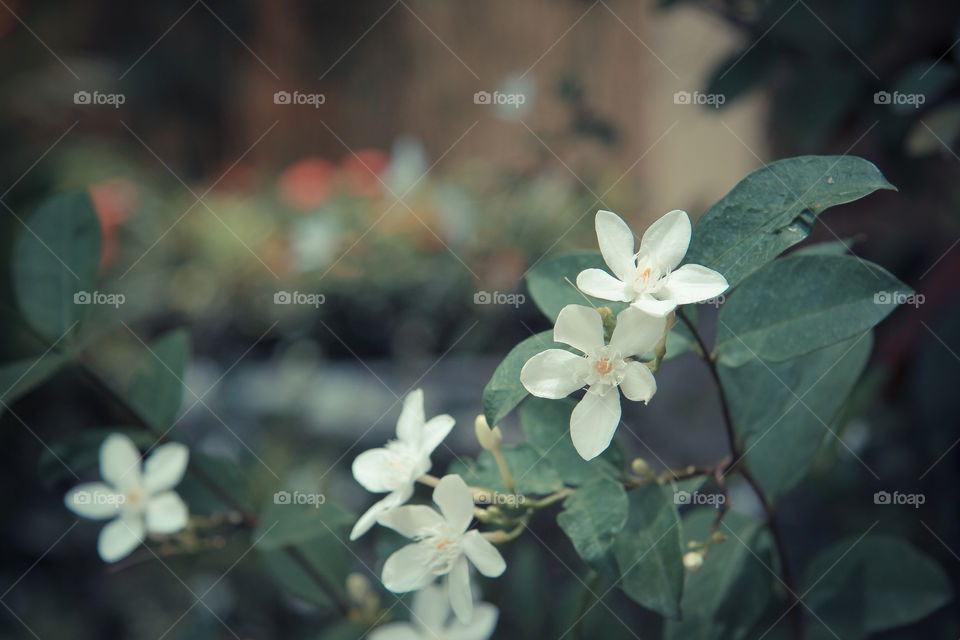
[(774, 208), (19, 377), (550, 289), (593, 515), (724, 599), (546, 423), (799, 304), (56, 257), (533, 473), (504, 391), (156, 390), (648, 551), (898, 585), (286, 523), (782, 410)]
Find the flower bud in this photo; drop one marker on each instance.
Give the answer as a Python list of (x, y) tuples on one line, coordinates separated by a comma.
[(489, 439), (640, 467), (358, 588), (693, 560), (718, 537)]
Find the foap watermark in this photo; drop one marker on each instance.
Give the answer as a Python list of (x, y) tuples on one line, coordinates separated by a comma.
[(909, 499), (498, 97), (96, 297), (899, 297), (298, 297), (504, 499), (714, 100), (896, 98), (298, 97), (299, 498), (697, 498), (99, 98), (97, 497), (715, 302), (496, 297)]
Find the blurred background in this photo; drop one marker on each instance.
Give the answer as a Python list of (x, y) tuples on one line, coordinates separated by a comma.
[(401, 160)]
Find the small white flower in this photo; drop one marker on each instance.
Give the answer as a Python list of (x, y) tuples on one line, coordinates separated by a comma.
[(556, 373), (430, 620), (394, 469), (442, 548), (139, 501), (649, 278)]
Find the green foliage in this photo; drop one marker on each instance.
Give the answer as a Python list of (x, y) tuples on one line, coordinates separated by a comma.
[(79, 452), (782, 410), (19, 377), (593, 515), (648, 553), (546, 423), (533, 473), (504, 391), (156, 389), (552, 283), (55, 258), (774, 208), (724, 599), (799, 304), (863, 586)]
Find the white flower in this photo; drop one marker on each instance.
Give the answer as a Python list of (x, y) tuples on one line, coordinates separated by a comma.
[(139, 501), (429, 620), (556, 373), (394, 469), (442, 548), (649, 278)]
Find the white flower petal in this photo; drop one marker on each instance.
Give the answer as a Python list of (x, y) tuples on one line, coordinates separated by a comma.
[(94, 500), (480, 628), (693, 283), (119, 537), (431, 608), (637, 332), (580, 327), (654, 306), (376, 471), (458, 589), (395, 631), (436, 429), (166, 513), (594, 421), (411, 521), (369, 518), (638, 383), (453, 497), (165, 467), (551, 374), (668, 239), (484, 556), (616, 244), (600, 284), (119, 461), (408, 569), (410, 423)]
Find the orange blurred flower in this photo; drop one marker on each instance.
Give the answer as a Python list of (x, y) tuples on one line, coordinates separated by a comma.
[(115, 200), (307, 184)]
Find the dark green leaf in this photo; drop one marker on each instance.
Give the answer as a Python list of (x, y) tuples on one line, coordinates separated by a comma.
[(56, 257), (799, 304), (593, 515), (774, 208), (22, 376), (533, 473), (156, 390), (552, 283)]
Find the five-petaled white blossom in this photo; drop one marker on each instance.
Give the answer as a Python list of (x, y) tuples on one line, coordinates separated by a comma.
[(430, 620), (556, 373), (394, 469), (649, 279), (443, 546), (140, 501)]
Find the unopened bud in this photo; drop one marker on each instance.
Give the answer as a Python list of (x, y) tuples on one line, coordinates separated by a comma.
[(358, 588), (718, 537), (693, 560), (488, 438), (640, 467)]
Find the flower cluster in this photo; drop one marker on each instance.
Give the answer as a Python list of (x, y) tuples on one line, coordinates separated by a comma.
[(653, 285), (444, 545)]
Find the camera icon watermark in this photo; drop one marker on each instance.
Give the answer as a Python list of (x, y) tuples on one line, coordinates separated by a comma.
[(715, 500), (496, 297), (513, 99), (299, 498), (83, 497), (99, 98), (715, 100), (96, 297), (297, 297), (298, 97), (512, 500), (896, 98), (896, 498), (898, 298)]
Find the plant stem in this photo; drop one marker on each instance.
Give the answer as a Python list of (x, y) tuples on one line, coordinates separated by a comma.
[(796, 613)]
